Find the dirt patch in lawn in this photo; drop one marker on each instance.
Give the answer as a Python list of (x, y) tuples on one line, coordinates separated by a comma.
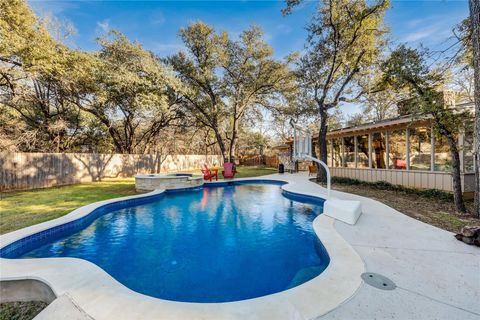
[(435, 211)]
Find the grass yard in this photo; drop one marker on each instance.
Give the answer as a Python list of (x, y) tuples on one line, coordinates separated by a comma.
[(20, 310), (245, 172), (26, 208)]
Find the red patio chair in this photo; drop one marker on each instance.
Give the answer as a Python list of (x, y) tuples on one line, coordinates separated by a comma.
[(400, 164), (209, 174), (228, 170)]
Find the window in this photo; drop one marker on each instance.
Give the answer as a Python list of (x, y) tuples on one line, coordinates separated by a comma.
[(443, 159), (420, 148), (397, 157), (379, 150), (468, 151), (349, 145), (362, 151), (337, 152)]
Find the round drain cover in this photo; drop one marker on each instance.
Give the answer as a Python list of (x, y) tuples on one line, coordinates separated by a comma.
[(378, 281)]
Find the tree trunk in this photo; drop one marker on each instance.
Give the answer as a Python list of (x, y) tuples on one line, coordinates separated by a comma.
[(119, 147), (221, 145), (206, 150), (475, 20), (233, 142), (322, 145), (457, 182)]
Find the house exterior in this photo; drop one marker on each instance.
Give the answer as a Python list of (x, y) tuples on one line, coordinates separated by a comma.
[(401, 151)]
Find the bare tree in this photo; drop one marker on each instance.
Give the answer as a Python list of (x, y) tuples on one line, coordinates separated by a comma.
[(475, 20)]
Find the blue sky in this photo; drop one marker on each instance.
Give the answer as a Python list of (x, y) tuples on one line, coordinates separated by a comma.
[(155, 24)]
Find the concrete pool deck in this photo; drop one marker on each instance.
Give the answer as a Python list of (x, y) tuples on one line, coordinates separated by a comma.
[(437, 277)]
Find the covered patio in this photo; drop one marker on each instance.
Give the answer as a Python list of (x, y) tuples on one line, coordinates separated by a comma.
[(402, 151)]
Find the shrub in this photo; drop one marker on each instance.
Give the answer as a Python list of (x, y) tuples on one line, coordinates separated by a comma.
[(384, 185)]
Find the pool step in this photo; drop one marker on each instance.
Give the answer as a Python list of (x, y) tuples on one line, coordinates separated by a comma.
[(303, 275)]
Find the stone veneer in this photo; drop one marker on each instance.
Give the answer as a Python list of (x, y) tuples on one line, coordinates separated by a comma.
[(149, 182)]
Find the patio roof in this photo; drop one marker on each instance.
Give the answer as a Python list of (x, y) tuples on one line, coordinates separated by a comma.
[(399, 122), (391, 124)]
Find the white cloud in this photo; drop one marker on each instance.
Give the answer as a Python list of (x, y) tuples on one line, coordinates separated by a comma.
[(103, 26), (416, 22), (420, 34), (432, 30)]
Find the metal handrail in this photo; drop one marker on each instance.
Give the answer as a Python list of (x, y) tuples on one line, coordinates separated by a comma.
[(303, 150)]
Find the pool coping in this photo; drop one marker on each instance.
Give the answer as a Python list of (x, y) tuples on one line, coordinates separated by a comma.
[(103, 297)]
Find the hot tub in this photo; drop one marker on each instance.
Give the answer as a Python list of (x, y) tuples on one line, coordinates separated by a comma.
[(170, 181)]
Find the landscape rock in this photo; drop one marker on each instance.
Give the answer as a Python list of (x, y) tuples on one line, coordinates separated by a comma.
[(470, 231), (470, 235)]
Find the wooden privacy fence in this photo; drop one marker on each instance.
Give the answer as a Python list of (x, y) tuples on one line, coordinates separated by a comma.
[(258, 160), (23, 171), (252, 160), (272, 161)]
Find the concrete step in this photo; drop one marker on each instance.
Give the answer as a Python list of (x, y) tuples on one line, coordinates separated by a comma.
[(63, 308)]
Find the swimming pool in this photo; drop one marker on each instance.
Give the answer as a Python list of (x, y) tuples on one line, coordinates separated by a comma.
[(211, 244)]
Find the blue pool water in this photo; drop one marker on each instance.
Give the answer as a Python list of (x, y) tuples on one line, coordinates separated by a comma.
[(213, 244)]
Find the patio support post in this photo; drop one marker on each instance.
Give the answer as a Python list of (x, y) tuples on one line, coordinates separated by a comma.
[(387, 143), (432, 152), (461, 146), (331, 152), (342, 152), (370, 160), (408, 148), (355, 148)]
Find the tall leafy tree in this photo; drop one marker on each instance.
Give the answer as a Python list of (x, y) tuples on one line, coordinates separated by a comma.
[(467, 80), (24, 39), (129, 91), (252, 78), (406, 68), (32, 66), (199, 70), (344, 40), (225, 79)]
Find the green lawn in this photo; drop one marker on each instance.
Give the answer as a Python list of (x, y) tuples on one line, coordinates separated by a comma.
[(245, 172), (26, 208), (21, 310)]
